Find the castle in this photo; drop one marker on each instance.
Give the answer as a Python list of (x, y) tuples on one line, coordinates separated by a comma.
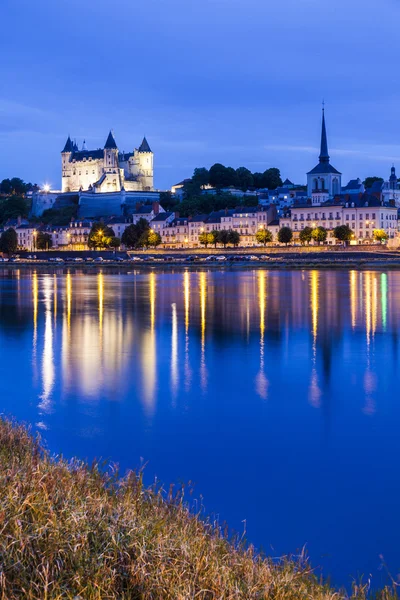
[(107, 169)]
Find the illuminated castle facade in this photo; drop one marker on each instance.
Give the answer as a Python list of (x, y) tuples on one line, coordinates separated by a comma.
[(106, 169)]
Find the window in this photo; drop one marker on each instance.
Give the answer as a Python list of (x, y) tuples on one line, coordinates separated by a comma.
[(353, 217), (373, 216), (347, 217), (360, 217)]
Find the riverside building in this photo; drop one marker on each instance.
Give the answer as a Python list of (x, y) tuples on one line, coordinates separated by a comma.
[(360, 210)]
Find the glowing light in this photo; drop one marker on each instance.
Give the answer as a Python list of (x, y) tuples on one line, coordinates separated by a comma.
[(69, 299), (46, 187), (152, 297), (48, 358), (100, 291), (353, 297), (174, 351), (203, 305), (261, 379), (149, 355), (314, 301), (186, 293), (384, 295)]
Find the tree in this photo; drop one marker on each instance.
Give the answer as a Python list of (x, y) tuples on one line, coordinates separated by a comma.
[(245, 178), (14, 186), (380, 235), (115, 242), (272, 178), (203, 239), (100, 236), (368, 181), (5, 186), (343, 233), (201, 177), (264, 236), (154, 239), (18, 186), (13, 207), (319, 234), (221, 176), (223, 237), (285, 235), (44, 241), (215, 234), (132, 234), (305, 235), (8, 241), (233, 237)]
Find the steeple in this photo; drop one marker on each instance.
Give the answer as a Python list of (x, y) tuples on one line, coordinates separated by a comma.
[(110, 143), (68, 145), (144, 146), (323, 155)]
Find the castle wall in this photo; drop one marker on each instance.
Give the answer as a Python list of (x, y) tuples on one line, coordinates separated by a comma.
[(82, 174)]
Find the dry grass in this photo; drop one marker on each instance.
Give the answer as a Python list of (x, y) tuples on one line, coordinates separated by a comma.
[(68, 530)]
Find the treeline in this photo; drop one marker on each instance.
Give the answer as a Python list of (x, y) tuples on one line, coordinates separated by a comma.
[(16, 186), (13, 207), (219, 176), (195, 202)]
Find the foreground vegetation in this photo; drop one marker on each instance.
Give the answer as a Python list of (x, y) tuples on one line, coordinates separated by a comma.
[(72, 531)]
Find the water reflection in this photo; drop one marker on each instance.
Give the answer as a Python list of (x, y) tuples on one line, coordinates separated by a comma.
[(220, 372), (96, 351)]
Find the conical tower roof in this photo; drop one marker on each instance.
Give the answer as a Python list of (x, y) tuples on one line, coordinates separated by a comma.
[(144, 146), (110, 143), (68, 145)]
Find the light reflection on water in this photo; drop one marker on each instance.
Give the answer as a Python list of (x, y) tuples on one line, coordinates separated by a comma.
[(275, 391)]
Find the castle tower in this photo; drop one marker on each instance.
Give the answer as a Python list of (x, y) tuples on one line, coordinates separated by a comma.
[(66, 154), (144, 165), (323, 181), (111, 166)]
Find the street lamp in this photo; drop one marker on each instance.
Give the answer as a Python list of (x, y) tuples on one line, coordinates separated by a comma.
[(46, 188)]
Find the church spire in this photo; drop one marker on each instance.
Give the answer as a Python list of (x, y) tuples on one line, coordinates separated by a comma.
[(323, 155)]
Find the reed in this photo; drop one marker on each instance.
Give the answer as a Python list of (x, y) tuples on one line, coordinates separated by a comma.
[(70, 530)]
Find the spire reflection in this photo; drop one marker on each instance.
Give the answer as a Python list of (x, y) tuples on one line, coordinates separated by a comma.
[(261, 379), (186, 295), (149, 354), (203, 304), (48, 375)]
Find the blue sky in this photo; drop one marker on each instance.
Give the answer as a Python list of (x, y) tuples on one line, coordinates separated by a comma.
[(232, 81)]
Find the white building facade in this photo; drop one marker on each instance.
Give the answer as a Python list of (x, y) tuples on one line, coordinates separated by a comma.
[(106, 169)]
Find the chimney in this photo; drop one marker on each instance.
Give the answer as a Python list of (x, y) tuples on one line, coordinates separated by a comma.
[(176, 215), (19, 220), (156, 207)]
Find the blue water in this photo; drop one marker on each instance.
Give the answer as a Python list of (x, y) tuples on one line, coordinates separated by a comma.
[(275, 393)]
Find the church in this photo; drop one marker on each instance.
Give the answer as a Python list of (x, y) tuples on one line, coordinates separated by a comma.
[(324, 182), (106, 169)]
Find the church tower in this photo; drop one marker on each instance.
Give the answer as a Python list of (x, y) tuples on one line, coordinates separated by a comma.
[(323, 181)]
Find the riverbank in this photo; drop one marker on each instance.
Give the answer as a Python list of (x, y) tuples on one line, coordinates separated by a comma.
[(284, 261), (71, 531)]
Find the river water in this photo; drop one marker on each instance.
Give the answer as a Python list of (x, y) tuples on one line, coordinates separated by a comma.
[(275, 393)]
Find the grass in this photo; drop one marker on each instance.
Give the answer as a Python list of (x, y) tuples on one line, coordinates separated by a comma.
[(70, 530)]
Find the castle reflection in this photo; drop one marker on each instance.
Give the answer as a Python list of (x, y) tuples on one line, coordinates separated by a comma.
[(98, 334)]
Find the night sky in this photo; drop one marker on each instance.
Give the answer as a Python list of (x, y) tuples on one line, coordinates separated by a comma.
[(234, 81)]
